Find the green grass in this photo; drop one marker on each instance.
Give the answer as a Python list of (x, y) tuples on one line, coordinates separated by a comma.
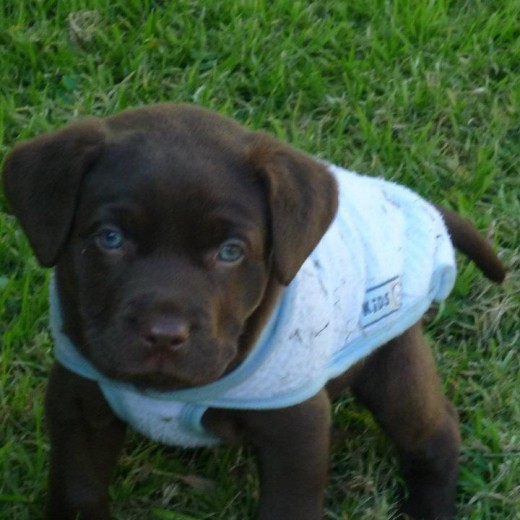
[(423, 92)]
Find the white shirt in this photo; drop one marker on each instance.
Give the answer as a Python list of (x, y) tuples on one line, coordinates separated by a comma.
[(377, 269)]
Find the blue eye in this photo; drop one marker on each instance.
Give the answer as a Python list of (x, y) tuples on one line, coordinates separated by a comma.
[(111, 239), (231, 251)]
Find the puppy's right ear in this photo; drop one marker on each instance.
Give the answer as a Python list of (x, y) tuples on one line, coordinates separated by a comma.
[(42, 178)]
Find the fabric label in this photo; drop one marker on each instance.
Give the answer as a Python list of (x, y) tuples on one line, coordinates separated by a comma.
[(381, 301)]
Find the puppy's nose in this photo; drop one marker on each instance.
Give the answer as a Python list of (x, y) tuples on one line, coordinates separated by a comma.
[(165, 332)]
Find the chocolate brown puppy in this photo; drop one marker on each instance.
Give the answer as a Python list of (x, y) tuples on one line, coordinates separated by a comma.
[(190, 257)]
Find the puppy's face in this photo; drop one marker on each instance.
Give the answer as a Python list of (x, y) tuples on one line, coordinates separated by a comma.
[(166, 225), (169, 255)]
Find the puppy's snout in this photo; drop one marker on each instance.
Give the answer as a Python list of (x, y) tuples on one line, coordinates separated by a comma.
[(165, 333)]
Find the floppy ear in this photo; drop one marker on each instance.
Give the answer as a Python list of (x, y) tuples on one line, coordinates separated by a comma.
[(42, 178), (302, 197)]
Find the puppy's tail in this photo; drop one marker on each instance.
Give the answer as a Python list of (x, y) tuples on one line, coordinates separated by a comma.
[(470, 242)]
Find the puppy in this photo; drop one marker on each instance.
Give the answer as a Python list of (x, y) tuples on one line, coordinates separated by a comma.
[(213, 284)]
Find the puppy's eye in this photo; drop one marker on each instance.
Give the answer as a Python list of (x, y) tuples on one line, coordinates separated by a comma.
[(231, 252), (110, 239)]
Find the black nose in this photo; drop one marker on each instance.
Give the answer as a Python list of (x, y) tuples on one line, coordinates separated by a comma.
[(165, 332)]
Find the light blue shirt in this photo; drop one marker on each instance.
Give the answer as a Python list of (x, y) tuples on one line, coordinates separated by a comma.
[(386, 257)]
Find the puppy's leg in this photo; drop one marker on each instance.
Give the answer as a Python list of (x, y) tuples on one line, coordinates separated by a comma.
[(86, 438), (399, 384), (292, 446)]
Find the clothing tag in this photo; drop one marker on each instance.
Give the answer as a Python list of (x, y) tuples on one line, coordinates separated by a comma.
[(381, 301)]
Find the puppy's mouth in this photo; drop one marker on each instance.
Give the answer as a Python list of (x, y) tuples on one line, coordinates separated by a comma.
[(160, 372), (196, 364)]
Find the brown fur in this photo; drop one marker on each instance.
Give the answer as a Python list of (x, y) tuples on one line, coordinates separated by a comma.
[(163, 311)]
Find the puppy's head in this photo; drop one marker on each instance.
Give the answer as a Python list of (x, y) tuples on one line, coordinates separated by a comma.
[(166, 225)]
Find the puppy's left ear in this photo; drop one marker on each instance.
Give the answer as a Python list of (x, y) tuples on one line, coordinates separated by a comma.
[(42, 179), (302, 196)]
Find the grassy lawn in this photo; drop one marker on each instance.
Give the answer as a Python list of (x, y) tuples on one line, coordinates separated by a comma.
[(426, 93)]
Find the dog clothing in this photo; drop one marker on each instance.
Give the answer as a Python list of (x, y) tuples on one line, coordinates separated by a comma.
[(385, 258)]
